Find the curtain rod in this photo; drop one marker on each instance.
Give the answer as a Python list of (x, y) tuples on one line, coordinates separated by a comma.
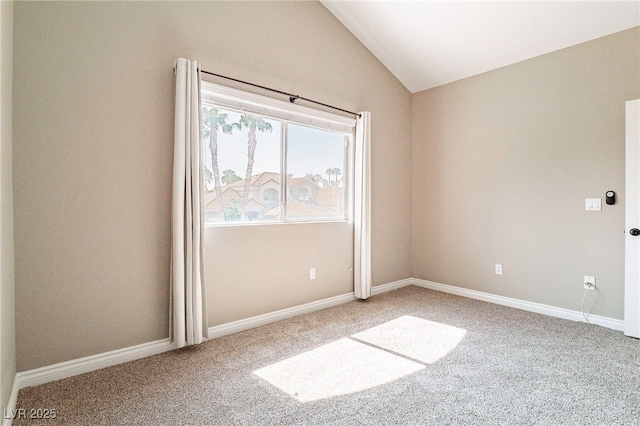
[(292, 97)]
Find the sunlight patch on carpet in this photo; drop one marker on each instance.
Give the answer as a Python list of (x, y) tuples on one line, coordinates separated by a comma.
[(367, 359), (338, 368), (416, 338)]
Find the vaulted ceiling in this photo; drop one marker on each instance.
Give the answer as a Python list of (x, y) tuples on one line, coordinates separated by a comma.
[(430, 43)]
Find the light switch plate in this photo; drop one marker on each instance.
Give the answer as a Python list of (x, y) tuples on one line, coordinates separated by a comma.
[(593, 204)]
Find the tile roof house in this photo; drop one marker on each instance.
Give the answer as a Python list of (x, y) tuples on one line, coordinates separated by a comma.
[(304, 198)]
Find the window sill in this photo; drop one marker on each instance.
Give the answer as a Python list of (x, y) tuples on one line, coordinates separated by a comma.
[(243, 224)]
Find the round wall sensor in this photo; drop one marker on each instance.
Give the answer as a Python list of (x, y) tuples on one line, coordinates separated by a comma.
[(610, 197)]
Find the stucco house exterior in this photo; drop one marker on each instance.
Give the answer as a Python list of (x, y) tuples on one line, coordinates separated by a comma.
[(304, 198)]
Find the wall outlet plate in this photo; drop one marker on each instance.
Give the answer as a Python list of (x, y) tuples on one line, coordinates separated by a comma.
[(498, 269), (589, 282)]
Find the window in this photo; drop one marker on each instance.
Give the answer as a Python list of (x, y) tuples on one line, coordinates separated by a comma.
[(271, 196), (251, 142)]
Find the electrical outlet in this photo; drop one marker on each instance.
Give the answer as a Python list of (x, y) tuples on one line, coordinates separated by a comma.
[(312, 273), (498, 269), (589, 282)]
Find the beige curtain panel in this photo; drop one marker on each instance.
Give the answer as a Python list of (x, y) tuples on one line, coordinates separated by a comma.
[(188, 302), (362, 210)]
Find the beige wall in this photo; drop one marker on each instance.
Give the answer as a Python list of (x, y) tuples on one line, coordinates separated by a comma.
[(247, 280), (7, 298), (93, 123), (502, 163)]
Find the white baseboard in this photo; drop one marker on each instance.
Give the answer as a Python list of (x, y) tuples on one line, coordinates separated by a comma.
[(264, 319), (74, 367), (378, 289), (539, 308), (86, 364), (259, 320)]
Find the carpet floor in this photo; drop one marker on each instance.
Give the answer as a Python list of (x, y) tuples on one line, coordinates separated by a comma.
[(412, 356)]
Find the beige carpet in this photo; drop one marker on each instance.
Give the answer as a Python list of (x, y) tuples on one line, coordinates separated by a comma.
[(408, 357)]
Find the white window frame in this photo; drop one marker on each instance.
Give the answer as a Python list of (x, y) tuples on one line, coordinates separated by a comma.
[(215, 95)]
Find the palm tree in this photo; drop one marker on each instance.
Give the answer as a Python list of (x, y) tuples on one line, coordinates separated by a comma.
[(329, 172), (337, 172), (254, 124), (212, 121), (229, 177)]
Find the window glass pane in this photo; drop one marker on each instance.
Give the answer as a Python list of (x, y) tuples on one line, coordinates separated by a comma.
[(242, 166), (245, 136), (315, 173)]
